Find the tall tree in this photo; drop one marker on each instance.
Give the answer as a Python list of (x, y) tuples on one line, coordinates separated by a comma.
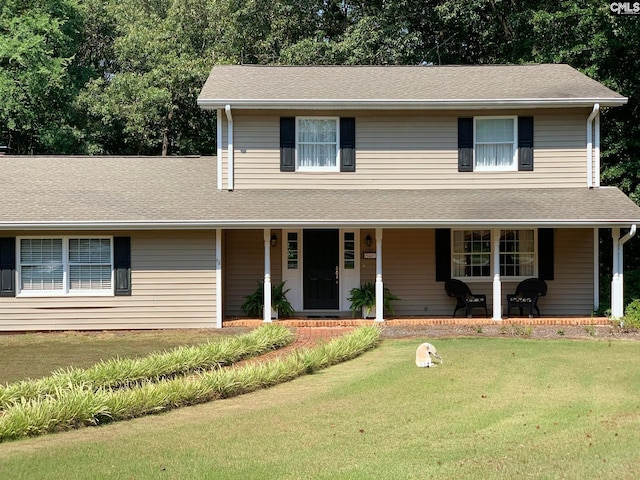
[(145, 100), (38, 40)]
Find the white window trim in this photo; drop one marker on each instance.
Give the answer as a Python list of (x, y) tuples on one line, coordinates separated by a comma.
[(514, 165), (492, 254), (66, 290), (335, 168)]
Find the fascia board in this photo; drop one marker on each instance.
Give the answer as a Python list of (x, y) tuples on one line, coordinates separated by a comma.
[(251, 224), (410, 104)]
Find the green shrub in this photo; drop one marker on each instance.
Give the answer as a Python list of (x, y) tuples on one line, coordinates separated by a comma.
[(76, 406), (632, 315), (363, 299), (253, 305)]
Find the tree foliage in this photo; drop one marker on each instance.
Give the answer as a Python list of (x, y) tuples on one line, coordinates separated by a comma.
[(122, 76), (38, 81)]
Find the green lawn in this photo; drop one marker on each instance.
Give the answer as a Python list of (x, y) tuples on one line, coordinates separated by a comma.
[(36, 355), (497, 408)]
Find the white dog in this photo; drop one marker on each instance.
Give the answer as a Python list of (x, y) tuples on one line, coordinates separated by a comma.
[(424, 354)]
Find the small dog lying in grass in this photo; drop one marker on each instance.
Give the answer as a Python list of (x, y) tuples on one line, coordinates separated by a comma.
[(424, 354)]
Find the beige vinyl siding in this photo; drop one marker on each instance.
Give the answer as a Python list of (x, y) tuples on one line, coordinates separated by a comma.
[(409, 271), (571, 290), (410, 150), (243, 266), (173, 286)]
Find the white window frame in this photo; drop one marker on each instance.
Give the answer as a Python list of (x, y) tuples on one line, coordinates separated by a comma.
[(492, 254), (514, 164), (66, 281), (333, 168)]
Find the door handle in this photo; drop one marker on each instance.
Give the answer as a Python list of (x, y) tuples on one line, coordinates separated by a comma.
[(337, 273)]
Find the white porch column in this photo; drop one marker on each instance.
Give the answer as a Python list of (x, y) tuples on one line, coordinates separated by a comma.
[(379, 284), (596, 268), (616, 270), (218, 278), (497, 284), (266, 313)]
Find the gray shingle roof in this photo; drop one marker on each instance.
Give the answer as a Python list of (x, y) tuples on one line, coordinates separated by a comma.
[(253, 86), (180, 192)]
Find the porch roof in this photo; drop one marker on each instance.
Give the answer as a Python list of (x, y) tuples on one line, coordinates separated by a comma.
[(84, 193), (405, 87)]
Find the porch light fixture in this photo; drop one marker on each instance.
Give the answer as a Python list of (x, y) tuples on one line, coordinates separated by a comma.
[(368, 240), (274, 240)]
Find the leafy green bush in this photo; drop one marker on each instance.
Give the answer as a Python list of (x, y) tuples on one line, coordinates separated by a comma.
[(76, 406), (632, 315), (178, 361), (363, 299), (254, 303)]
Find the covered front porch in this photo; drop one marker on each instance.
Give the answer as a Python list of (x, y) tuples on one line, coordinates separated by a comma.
[(320, 266)]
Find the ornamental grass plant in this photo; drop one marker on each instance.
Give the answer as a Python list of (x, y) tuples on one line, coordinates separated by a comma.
[(116, 373), (81, 404)]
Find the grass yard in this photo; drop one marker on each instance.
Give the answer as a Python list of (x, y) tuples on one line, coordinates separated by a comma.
[(35, 355), (497, 408)]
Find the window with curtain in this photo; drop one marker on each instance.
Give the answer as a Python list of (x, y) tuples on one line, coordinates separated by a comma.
[(495, 144), (472, 254), (58, 266), (317, 143)]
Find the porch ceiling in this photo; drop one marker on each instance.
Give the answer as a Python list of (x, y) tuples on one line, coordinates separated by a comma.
[(75, 193)]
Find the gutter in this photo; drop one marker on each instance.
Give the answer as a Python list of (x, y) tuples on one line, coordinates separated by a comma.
[(407, 104), (594, 113), (629, 235), (317, 223), (227, 110)]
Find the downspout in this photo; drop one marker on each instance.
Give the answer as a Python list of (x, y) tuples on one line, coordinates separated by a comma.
[(596, 142), (227, 110), (617, 304), (592, 115), (219, 147)]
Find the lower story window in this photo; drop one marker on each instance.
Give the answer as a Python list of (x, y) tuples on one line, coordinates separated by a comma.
[(472, 253), (60, 266)]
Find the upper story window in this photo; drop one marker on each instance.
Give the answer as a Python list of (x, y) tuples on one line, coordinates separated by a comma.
[(65, 266), (317, 144), (495, 142)]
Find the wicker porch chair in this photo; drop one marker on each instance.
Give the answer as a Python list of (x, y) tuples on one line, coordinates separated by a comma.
[(527, 294), (464, 298)]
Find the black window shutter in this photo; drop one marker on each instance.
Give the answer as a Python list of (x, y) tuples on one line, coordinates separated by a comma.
[(7, 267), (347, 144), (443, 254), (122, 265), (287, 144), (525, 144), (545, 253), (465, 144)]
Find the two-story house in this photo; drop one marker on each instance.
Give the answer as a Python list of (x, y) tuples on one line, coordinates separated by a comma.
[(326, 177)]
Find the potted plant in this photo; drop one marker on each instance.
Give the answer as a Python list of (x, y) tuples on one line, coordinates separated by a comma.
[(363, 299), (280, 306)]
